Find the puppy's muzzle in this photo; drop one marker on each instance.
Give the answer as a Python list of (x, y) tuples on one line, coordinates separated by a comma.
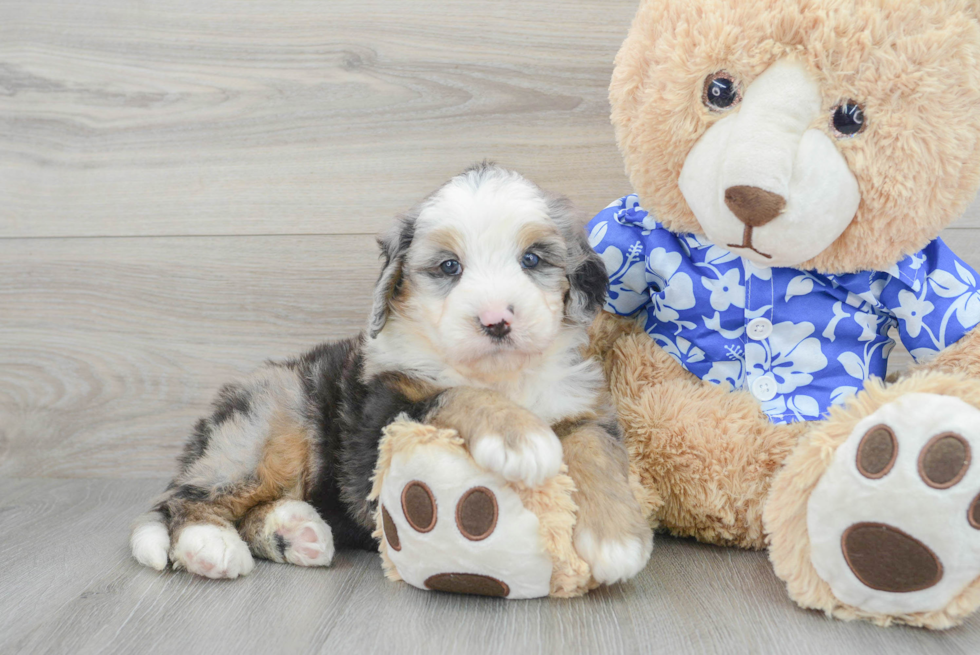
[(497, 330), (496, 322)]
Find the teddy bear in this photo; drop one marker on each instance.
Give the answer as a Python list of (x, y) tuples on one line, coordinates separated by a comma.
[(792, 164)]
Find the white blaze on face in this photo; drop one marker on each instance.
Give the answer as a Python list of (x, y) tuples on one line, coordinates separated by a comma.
[(767, 143), (487, 223)]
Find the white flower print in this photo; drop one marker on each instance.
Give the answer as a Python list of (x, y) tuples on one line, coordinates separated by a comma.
[(714, 323), (839, 314), (627, 278), (839, 395), (677, 289), (730, 372), (791, 355), (726, 291), (801, 285), (680, 349), (829, 333), (911, 310), (869, 325)]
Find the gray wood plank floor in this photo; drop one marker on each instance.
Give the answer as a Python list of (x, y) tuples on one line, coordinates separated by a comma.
[(69, 586), (190, 187)]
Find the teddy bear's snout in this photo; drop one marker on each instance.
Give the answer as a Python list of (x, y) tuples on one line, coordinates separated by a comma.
[(754, 206)]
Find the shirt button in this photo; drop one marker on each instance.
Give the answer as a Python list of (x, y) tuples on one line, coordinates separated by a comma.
[(759, 329), (764, 388)]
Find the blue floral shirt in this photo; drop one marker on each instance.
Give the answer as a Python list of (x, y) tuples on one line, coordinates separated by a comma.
[(798, 341)]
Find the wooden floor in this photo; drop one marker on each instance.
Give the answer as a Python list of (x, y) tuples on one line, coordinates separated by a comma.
[(188, 188)]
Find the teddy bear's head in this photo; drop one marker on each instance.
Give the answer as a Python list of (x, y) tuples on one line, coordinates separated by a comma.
[(834, 135)]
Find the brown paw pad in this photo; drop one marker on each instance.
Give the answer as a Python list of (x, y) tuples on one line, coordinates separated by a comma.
[(944, 460), (390, 529), (973, 515), (467, 583), (887, 559), (419, 506), (476, 514), (877, 452)]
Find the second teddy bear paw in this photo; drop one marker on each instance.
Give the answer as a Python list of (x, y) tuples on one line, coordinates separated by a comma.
[(894, 523), (614, 560)]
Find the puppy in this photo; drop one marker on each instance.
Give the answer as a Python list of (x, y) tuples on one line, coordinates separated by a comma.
[(479, 324)]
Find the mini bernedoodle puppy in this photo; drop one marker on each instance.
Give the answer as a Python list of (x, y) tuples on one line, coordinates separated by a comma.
[(479, 324)]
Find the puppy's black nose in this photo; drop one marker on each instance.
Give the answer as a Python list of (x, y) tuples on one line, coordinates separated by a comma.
[(497, 330)]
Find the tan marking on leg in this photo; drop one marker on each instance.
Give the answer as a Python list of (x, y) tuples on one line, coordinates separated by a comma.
[(568, 425), (284, 471), (252, 530), (413, 389), (479, 412), (600, 468)]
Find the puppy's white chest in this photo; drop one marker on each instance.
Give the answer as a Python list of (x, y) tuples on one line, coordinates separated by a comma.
[(559, 392)]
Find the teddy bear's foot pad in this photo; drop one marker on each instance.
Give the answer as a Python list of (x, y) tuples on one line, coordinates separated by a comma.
[(894, 523), (451, 526)]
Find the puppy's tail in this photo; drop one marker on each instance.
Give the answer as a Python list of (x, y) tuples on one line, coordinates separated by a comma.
[(150, 540)]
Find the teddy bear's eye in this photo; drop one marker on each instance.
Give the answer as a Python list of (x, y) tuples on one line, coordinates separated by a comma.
[(848, 119), (721, 91)]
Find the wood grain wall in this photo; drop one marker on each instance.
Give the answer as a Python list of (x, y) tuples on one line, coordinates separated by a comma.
[(188, 188)]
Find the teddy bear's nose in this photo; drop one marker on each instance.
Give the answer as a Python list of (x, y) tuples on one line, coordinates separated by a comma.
[(754, 206)]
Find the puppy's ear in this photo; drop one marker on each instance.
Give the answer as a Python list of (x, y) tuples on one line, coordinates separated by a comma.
[(587, 280), (587, 277), (394, 246)]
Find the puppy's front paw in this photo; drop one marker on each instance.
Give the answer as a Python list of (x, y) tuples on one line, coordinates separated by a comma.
[(614, 560), (530, 458), (212, 551)]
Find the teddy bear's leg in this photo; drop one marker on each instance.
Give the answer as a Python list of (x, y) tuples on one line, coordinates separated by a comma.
[(611, 533), (876, 514), (705, 455)]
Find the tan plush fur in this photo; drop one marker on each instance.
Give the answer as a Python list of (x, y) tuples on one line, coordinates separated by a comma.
[(710, 462), (551, 502), (785, 515), (706, 453)]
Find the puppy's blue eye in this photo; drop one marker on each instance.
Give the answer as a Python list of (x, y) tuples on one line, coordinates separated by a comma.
[(530, 260), (451, 267)]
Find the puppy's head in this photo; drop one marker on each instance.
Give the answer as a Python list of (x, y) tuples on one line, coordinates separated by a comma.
[(489, 267)]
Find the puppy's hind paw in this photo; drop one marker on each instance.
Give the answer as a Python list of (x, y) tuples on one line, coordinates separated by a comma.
[(534, 458), (614, 560), (212, 551), (303, 538), (149, 543)]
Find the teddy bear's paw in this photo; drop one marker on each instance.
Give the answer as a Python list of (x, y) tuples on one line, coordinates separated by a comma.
[(303, 538), (614, 560), (212, 551), (894, 523), (530, 458), (450, 525)]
